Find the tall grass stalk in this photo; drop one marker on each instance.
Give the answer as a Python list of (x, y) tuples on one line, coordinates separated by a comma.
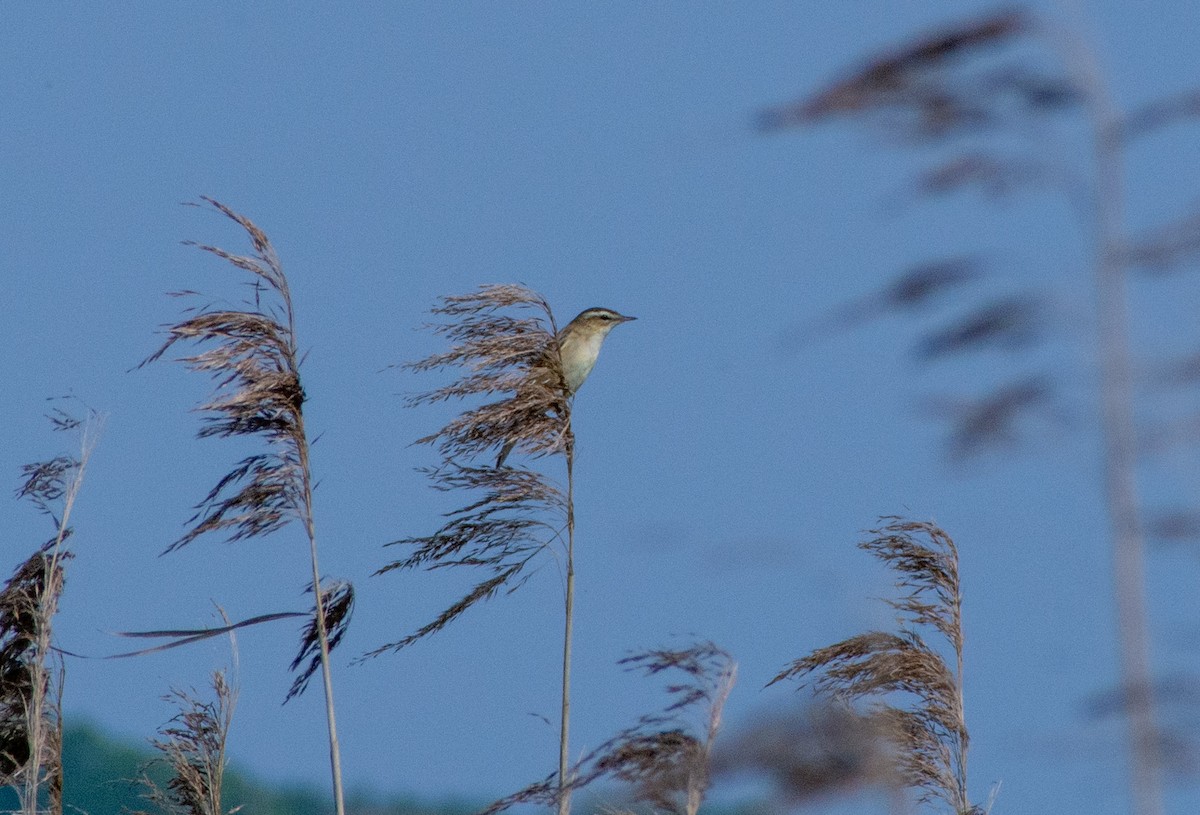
[(1119, 434), (564, 740), (505, 341), (253, 355), (992, 117)]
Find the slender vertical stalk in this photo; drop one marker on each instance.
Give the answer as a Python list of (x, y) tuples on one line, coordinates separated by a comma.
[(1117, 423), (39, 733), (564, 798), (335, 751), (335, 754), (1116, 397), (962, 738), (252, 355)]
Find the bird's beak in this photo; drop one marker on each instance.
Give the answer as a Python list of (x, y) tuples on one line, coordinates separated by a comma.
[(626, 318)]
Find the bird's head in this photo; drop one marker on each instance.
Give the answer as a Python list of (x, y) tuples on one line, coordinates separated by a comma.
[(595, 321)]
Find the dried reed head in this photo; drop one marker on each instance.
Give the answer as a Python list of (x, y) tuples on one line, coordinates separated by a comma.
[(192, 746), (251, 353), (517, 513), (500, 353), (906, 680), (966, 89), (28, 603), (914, 289), (917, 87), (993, 419), (31, 674), (337, 597), (665, 757)]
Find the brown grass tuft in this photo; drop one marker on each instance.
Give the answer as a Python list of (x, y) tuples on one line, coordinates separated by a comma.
[(911, 83), (192, 746), (907, 681), (516, 513), (253, 357), (666, 756)]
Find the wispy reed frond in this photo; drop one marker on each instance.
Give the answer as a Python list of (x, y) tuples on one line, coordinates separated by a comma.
[(1168, 247), (949, 87), (906, 680), (503, 343), (46, 482), (253, 356), (500, 354), (990, 173), (1008, 323), (994, 419), (665, 757), (915, 288), (912, 83), (192, 746), (338, 600)]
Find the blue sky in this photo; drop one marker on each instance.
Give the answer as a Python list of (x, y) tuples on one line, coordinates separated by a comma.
[(603, 155)]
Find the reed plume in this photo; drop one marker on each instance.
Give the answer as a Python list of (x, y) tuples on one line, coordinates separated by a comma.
[(900, 675), (192, 746), (517, 513), (252, 354), (31, 673), (945, 89), (988, 118), (666, 756), (503, 340)]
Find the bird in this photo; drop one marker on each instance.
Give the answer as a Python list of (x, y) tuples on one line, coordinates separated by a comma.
[(579, 344)]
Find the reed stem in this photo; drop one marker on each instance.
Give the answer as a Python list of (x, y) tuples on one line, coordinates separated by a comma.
[(335, 754), (564, 797)]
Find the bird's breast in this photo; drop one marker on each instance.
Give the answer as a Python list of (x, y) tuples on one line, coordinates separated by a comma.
[(578, 358)]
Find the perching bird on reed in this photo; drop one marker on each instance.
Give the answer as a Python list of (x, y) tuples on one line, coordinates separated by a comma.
[(578, 347)]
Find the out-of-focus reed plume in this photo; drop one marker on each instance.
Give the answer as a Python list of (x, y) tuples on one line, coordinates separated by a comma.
[(666, 757), (902, 676)]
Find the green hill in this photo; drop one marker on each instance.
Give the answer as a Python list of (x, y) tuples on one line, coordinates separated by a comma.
[(97, 770)]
